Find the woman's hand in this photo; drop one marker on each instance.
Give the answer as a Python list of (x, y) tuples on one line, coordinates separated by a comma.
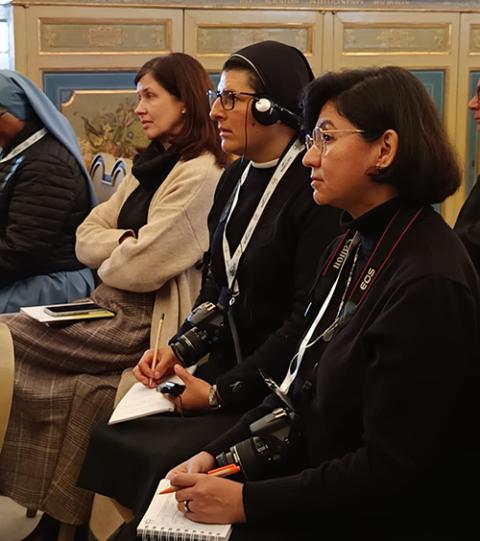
[(166, 360), (204, 498), (199, 463), (195, 395)]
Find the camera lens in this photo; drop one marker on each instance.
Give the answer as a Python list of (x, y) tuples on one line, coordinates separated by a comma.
[(191, 346), (224, 459)]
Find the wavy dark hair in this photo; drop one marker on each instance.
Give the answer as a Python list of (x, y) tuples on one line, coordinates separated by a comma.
[(186, 79), (425, 169)]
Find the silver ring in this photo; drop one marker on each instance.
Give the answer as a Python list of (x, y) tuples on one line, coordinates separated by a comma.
[(187, 509)]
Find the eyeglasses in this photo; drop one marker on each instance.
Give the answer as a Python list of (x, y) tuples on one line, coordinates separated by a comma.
[(320, 138), (227, 97)]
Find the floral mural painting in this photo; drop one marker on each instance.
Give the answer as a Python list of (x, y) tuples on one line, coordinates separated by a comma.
[(105, 122)]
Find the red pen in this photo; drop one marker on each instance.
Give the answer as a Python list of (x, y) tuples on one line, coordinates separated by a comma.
[(223, 471)]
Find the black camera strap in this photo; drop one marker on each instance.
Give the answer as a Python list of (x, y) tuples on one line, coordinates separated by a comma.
[(352, 298)]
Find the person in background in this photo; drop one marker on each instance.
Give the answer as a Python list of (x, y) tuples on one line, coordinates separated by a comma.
[(467, 225), (145, 243), (45, 193), (381, 399), (261, 302)]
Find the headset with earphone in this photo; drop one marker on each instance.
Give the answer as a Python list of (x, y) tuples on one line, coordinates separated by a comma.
[(265, 111)]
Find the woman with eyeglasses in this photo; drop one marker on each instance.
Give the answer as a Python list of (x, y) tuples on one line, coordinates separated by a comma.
[(45, 194), (381, 401), (266, 236)]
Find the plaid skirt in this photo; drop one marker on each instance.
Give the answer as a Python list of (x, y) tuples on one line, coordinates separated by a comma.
[(65, 382)]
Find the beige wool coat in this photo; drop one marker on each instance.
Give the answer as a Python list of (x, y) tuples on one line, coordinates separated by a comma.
[(66, 378), (164, 257)]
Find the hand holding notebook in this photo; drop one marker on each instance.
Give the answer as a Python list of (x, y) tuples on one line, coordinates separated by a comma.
[(164, 521), (141, 401)]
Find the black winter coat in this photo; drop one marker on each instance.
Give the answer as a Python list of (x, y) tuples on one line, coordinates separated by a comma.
[(43, 198)]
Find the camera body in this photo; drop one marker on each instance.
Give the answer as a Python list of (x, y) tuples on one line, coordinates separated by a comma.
[(207, 324), (261, 456)]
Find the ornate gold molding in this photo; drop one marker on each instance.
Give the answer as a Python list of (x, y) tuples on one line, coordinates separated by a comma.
[(474, 39), (114, 36), (396, 38), (337, 5), (221, 39)]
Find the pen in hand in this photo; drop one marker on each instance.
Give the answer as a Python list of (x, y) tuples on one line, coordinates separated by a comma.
[(157, 343), (224, 471)]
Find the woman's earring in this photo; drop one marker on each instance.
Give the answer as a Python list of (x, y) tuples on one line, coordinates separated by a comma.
[(183, 111)]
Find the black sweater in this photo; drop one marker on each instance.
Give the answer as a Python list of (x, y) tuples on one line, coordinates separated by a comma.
[(43, 199), (275, 275), (390, 427), (467, 225)]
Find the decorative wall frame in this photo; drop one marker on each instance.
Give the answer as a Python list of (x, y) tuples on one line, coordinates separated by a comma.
[(100, 107)]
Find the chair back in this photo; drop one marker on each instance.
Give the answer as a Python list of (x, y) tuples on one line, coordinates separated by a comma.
[(107, 173), (7, 369)]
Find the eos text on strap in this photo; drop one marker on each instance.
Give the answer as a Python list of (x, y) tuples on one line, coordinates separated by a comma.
[(393, 233)]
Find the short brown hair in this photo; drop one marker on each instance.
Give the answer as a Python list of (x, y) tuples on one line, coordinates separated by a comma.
[(425, 168), (186, 79)]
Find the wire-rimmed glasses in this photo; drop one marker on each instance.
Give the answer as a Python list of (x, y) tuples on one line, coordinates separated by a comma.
[(320, 138), (227, 97)]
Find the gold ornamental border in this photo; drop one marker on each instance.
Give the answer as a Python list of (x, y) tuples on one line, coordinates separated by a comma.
[(310, 27), (77, 93), (387, 25), (286, 5), (473, 26), (106, 22)]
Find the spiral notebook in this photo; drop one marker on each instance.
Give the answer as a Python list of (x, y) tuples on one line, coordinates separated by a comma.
[(163, 521)]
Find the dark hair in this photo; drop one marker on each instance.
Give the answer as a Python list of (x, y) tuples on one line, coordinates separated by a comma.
[(425, 168), (185, 78), (237, 64)]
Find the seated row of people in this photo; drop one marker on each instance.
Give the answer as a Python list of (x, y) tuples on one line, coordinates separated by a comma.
[(372, 432), (372, 337)]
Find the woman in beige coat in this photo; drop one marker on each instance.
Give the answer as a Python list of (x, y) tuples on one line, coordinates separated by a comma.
[(146, 244)]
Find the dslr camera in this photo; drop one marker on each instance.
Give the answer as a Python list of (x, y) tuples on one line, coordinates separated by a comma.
[(261, 456), (207, 324)]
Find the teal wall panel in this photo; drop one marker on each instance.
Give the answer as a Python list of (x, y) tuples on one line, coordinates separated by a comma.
[(434, 82), (59, 86)]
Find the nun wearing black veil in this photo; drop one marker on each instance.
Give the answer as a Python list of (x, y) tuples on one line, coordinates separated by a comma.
[(45, 193), (266, 235)]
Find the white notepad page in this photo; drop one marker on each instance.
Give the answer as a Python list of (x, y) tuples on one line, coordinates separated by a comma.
[(164, 521), (140, 401)]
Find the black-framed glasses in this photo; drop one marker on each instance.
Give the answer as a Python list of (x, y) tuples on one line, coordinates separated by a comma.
[(320, 138), (227, 97)]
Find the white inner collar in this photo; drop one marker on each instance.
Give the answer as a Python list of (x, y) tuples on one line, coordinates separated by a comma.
[(265, 165)]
